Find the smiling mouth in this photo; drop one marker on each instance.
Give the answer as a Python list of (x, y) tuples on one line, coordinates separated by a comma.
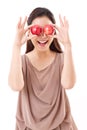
[(42, 43)]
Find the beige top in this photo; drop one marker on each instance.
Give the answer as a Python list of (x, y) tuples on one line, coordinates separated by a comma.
[(43, 103)]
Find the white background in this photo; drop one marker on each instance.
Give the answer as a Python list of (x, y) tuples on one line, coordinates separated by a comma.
[(75, 11)]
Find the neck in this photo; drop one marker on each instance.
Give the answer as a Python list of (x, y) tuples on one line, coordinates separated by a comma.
[(42, 54)]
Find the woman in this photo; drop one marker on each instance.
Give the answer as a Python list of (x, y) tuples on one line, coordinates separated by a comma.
[(43, 73)]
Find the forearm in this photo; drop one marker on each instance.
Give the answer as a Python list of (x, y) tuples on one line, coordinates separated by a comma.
[(15, 78), (68, 76)]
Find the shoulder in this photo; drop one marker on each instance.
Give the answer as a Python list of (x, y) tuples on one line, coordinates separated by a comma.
[(26, 56), (60, 58), (60, 55), (29, 54)]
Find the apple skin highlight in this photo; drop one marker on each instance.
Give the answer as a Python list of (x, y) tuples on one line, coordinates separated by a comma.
[(48, 29), (37, 30)]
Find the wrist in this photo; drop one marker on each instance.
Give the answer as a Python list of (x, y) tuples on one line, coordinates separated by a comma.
[(16, 47), (17, 44), (67, 46)]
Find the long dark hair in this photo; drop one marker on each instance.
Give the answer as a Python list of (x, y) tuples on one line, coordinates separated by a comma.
[(38, 12)]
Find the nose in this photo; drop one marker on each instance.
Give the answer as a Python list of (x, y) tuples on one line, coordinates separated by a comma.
[(43, 34)]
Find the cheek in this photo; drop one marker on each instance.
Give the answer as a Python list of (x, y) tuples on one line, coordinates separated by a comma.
[(50, 40), (34, 40)]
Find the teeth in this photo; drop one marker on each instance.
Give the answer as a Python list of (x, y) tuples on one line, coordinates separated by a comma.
[(42, 42)]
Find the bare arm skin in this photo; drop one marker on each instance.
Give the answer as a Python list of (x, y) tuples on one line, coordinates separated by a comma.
[(15, 78), (68, 76)]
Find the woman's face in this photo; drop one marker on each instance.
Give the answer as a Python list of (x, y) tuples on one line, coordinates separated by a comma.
[(42, 42)]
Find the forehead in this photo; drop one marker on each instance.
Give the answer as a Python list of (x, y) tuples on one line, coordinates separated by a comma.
[(43, 20)]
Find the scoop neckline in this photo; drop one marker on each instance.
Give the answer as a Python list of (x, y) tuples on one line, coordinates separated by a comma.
[(43, 68)]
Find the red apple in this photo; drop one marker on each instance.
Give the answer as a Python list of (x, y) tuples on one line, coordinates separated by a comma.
[(36, 30), (48, 29)]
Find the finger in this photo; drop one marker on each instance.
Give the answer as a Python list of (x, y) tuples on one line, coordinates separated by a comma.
[(29, 37), (19, 23), (61, 21), (28, 28), (25, 20), (58, 28), (51, 36), (66, 22), (55, 36), (58, 38)]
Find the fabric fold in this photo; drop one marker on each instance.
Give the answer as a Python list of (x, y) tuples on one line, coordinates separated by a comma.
[(43, 103)]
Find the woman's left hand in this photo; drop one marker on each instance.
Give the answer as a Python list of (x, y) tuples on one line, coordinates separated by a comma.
[(62, 33)]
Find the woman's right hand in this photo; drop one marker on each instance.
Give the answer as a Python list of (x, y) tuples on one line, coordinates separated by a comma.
[(22, 32)]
